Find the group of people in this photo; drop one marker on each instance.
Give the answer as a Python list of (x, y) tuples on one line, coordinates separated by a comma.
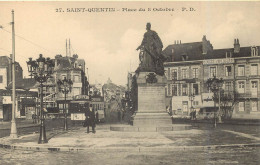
[(91, 119)]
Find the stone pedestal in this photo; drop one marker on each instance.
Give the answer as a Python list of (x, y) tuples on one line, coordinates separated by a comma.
[(151, 101)]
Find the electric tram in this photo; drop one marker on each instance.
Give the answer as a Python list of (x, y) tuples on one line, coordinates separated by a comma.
[(78, 107)]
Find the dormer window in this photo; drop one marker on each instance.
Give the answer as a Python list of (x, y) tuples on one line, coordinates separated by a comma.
[(228, 54), (254, 51), (184, 57), (76, 65)]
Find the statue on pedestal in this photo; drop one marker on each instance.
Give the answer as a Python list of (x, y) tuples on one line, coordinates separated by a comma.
[(150, 56)]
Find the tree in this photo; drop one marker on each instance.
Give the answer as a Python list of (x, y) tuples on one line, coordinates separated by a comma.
[(228, 101)]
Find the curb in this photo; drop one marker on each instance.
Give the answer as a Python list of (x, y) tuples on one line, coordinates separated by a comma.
[(126, 149)]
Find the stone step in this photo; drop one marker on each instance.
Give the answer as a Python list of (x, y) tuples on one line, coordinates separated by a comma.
[(162, 128)]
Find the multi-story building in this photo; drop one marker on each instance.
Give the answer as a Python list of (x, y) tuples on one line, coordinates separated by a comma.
[(6, 71), (71, 68), (194, 63), (185, 75), (25, 102)]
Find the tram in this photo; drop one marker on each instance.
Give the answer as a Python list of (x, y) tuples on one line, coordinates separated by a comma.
[(78, 107)]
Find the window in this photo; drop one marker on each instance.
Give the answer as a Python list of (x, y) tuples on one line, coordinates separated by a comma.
[(241, 87), (174, 90), (185, 106), (63, 77), (195, 72), (174, 74), (254, 90), (184, 57), (228, 86), (254, 84), (76, 78), (195, 89), (60, 106), (1, 79), (241, 106), (212, 71), (195, 103), (169, 73), (228, 70), (254, 106), (169, 90), (254, 51), (184, 90), (254, 69), (241, 70), (184, 73)]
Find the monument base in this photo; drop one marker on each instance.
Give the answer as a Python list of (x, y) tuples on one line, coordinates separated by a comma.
[(170, 127), (151, 119), (151, 101)]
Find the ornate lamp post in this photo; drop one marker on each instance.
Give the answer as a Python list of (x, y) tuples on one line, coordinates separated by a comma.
[(191, 97), (65, 86), (215, 85), (41, 69)]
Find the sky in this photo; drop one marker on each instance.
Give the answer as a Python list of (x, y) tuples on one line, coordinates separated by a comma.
[(107, 41)]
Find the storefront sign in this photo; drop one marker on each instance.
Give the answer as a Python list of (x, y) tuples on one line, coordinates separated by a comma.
[(96, 99), (218, 61), (80, 97)]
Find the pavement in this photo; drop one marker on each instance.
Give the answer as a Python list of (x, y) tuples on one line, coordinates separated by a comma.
[(76, 139), (19, 124)]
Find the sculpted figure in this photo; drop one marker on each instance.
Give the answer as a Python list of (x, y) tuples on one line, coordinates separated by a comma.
[(151, 58)]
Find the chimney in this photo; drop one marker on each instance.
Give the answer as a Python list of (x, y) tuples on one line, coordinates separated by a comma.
[(204, 45), (75, 56), (172, 55), (180, 41), (236, 46)]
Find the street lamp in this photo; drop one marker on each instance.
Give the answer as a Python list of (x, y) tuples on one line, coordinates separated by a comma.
[(41, 69), (191, 97), (215, 84), (65, 86)]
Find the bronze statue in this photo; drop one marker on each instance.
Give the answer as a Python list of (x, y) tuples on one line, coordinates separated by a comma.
[(150, 56)]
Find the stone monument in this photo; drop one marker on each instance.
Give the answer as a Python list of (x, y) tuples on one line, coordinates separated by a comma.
[(151, 82)]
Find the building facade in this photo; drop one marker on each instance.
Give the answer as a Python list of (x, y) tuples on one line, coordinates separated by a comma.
[(67, 67), (25, 99), (6, 71), (194, 63)]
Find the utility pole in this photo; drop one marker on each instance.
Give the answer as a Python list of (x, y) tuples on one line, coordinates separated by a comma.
[(66, 49), (69, 48), (13, 133)]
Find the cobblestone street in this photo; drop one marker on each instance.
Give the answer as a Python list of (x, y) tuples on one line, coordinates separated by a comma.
[(218, 156)]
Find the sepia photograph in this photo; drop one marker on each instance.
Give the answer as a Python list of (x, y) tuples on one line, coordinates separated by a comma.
[(129, 82)]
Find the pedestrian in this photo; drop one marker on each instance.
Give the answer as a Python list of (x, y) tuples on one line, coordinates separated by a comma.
[(191, 115), (90, 120), (119, 115), (45, 112), (194, 114), (33, 117), (97, 118)]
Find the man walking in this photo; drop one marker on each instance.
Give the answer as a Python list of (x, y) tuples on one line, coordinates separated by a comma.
[(90, 119)]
